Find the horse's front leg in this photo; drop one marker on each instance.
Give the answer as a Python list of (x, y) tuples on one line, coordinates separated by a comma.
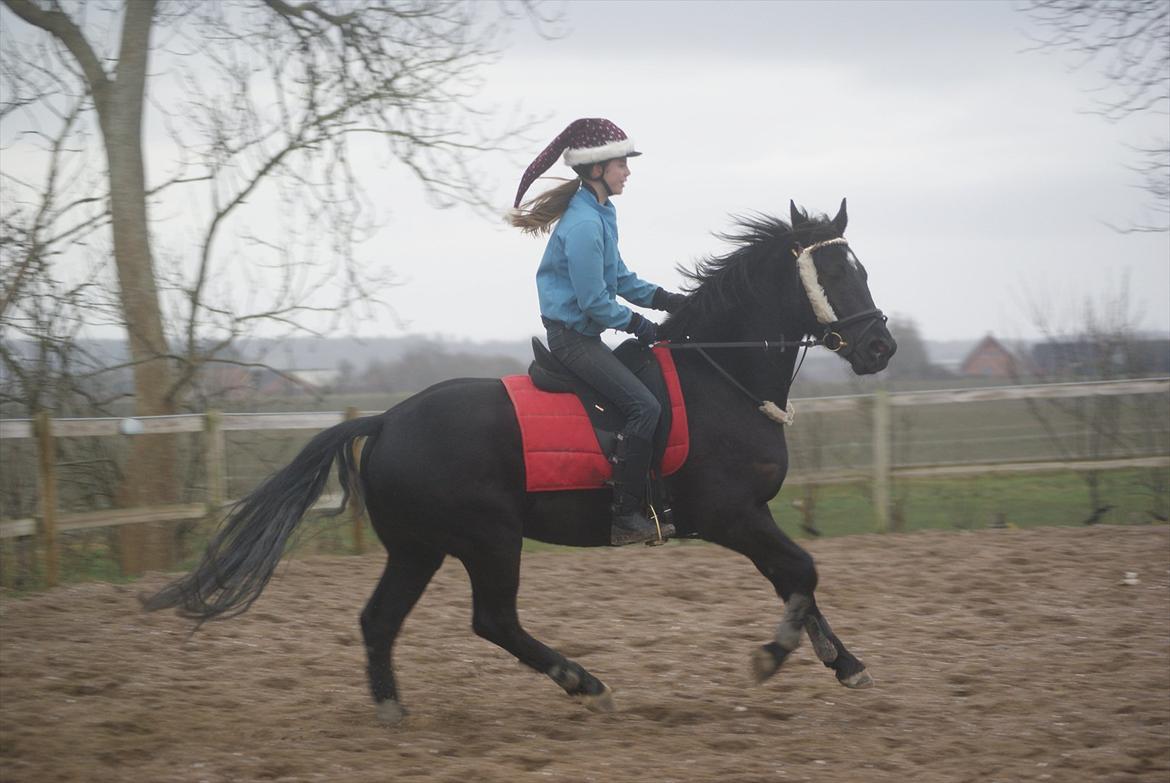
[(791, 571), (850, 671)]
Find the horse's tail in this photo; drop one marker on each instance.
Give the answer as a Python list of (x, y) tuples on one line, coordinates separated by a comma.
[(246, 550)]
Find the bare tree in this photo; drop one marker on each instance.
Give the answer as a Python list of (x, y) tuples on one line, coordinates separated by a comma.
[(1129, 40), (1104, 344), (243, 103)]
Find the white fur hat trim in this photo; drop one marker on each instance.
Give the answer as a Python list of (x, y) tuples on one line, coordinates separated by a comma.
[(614, 149)]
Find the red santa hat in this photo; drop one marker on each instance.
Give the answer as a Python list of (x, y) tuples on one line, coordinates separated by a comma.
[(585, 141)]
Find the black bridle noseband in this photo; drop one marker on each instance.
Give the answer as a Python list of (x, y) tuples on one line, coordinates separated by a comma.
[(833, 340)]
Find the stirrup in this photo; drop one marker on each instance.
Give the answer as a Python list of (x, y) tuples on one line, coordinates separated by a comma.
[(665, 529), (639, 530)]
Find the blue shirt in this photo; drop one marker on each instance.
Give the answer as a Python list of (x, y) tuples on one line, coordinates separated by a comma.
[(582, 273)]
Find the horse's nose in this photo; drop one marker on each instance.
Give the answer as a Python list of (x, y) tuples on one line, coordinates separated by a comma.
[(881, 348)]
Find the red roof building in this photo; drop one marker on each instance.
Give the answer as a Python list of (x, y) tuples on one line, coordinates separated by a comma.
[(989, 359)]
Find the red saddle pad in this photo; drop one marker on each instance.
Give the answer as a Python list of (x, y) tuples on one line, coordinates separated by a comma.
[(560, 448)]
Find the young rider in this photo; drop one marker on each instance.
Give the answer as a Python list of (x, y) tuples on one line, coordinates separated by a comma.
[(578, 282)]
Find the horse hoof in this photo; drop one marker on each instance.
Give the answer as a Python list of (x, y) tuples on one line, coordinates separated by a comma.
[(600, 702), (858, 681), (764, 664), (391, 712)]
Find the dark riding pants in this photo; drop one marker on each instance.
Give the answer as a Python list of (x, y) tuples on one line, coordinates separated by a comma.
[(591, 360)]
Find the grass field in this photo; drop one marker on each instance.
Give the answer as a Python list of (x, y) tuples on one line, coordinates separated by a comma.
[(977, 502)]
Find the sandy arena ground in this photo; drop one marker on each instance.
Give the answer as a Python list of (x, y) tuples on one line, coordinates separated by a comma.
[(999, 656)]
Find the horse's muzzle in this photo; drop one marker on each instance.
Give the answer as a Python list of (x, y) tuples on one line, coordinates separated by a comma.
[(863, 340), (879, 349)]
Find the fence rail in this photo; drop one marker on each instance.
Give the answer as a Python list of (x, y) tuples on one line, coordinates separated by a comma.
[(880, 406)]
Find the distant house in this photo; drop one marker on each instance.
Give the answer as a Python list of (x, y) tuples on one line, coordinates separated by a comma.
[(989, 359)]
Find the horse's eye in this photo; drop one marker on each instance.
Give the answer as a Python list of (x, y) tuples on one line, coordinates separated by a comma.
[(833, 268)]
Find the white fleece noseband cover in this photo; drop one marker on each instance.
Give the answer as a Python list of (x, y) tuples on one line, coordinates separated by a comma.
[(812, 283)]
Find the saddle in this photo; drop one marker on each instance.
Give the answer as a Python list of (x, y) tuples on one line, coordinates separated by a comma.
[(569, 430), (550, 375)]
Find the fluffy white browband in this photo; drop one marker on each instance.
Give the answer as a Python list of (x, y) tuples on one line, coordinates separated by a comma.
[(615, 149), (812, 283)]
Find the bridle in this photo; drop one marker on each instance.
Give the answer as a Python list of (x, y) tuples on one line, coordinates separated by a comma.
[(833, 340), (830, 338)]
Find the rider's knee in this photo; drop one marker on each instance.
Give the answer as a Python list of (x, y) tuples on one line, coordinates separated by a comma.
[(648, 410)]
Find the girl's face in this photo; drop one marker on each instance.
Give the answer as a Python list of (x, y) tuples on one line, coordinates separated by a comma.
[(616, 172)]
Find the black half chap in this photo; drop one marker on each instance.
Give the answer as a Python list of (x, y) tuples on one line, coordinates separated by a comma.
[(792, 573), (592, 361)]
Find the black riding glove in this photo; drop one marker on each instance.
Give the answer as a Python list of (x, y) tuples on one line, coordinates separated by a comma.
[(644, 329), (665, 300)]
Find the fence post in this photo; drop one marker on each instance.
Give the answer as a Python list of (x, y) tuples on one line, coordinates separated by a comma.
[(881, 460), (356, 512), (46, 472), (214, 461)]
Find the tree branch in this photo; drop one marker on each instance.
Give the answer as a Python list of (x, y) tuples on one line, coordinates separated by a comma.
[(58, 24)]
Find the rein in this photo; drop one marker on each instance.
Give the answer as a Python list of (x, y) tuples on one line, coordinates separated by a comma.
[(766, 407), (765, 344), (831, 339)]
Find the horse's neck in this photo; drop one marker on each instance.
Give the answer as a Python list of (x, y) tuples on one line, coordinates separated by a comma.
[(767, 374), (776, 309)]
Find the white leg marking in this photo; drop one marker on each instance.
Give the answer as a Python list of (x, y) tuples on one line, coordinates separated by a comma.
[(602, 702), (858, 681), (764, 665), (792, 626), (390, 712)]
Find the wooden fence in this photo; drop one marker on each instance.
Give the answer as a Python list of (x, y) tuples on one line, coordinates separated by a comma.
[(49, 521), (883, 404)]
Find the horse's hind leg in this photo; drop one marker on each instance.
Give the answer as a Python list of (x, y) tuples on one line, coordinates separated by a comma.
[(409, 568), (495, 578)]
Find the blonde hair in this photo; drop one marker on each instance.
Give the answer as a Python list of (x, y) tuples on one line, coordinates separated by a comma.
[(536, 216)]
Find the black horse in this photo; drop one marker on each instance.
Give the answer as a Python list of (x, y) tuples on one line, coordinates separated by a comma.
[(442, 473)]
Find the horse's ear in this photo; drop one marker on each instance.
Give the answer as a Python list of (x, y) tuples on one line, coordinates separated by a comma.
[(797, 216), (841, 220)]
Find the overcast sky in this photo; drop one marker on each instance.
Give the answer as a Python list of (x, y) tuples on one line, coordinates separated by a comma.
[(977, 179)]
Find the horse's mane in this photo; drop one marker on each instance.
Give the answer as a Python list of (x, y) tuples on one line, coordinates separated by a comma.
[(731, 281)]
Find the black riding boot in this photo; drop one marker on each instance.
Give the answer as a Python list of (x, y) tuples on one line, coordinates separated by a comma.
[(631, 467)]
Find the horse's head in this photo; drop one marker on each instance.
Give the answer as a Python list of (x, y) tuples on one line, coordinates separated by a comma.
[(835, 281)]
